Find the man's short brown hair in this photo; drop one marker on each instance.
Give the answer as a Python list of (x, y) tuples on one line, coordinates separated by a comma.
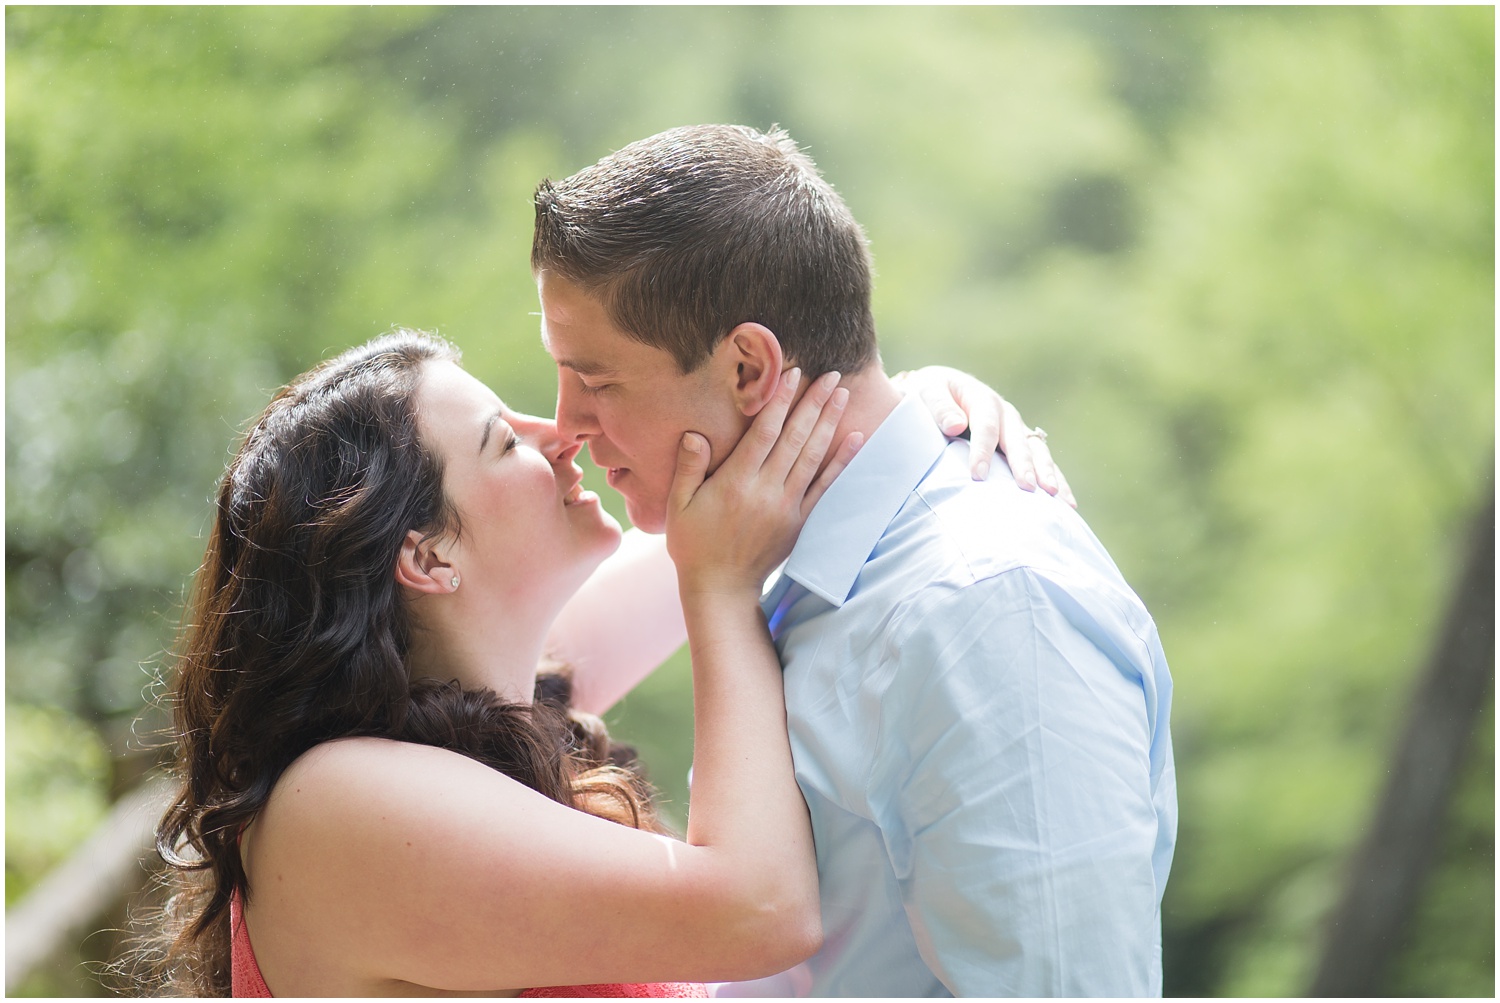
[(686, 234)]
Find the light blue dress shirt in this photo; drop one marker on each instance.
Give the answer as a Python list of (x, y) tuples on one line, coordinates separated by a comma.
[(978, 708)]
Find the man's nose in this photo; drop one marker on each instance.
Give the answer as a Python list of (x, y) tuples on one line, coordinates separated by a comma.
[(575, 420)]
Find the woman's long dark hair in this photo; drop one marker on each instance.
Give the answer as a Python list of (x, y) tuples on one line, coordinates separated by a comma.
[(297, 633)]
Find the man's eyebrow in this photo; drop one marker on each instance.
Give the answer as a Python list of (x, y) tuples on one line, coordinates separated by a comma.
[(484, 439), (584, 367)]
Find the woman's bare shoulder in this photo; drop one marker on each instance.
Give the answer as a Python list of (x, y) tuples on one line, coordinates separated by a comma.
[(330, 858), (343, 758), (364, 773)]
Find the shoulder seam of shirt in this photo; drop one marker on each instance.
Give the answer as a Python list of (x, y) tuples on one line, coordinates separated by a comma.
[(1134, 614)]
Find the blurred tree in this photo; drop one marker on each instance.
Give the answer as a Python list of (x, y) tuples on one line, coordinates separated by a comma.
[(1311, 315), (1387, 874)]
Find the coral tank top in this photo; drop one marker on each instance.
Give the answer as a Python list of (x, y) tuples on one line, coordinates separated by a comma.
[(246, 980)]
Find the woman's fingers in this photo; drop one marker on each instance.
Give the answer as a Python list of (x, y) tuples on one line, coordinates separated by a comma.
[(942, 401), (797, 431), (765, 430), (1048, 474), (1046, 471), (1015, 441), (815, 449), (836, 466), (1064, 490), (987, 412), (1041, 458)]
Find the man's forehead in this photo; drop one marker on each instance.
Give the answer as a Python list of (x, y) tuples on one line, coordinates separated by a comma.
[(602, 353), (579, 334)]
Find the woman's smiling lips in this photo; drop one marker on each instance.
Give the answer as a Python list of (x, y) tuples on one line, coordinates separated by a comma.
[(576, 495)]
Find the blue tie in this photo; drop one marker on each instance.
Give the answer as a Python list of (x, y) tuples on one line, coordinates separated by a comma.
[(777, 600)]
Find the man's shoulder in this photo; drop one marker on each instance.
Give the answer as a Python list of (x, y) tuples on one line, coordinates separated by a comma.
[(956, 539), (954, 544), (991, 527)]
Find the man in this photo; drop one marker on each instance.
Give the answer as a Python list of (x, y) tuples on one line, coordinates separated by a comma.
[(976, 700)]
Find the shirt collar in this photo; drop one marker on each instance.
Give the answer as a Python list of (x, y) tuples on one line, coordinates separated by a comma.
[(850, 518)]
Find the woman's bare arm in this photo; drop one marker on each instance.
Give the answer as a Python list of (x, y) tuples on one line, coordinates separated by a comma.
[(623, 623)]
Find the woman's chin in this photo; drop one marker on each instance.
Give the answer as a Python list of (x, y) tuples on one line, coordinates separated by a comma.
[(605, 540), (613, 532)]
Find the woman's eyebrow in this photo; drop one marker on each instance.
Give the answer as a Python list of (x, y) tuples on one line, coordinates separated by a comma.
[(484, 439)]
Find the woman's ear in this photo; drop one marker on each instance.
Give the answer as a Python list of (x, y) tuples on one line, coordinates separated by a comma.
[(419, 567), (750, 357)]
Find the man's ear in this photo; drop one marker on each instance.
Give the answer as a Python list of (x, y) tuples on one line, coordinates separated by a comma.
[(751, 356), (419, 567)]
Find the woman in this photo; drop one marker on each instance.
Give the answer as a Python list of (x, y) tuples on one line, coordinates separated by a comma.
[(380, 795)]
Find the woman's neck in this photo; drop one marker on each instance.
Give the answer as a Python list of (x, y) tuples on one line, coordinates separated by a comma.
[(477, 647)]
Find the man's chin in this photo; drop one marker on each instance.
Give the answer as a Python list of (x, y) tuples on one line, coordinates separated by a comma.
[(646, 518)]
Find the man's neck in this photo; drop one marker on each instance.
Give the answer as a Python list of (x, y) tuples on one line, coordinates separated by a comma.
[(872, 397)]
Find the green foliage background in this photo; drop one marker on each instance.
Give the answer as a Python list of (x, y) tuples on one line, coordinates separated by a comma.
[(1239, 262)]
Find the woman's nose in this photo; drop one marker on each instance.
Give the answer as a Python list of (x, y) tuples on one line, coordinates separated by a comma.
[(542, 434)]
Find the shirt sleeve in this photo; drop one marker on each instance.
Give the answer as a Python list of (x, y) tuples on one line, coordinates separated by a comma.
[(1015, 787)]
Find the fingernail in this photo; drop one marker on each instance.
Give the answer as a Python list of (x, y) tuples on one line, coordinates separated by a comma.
[(792, 376), (690, 442), (840, 397), (982, 472), (830, 378)]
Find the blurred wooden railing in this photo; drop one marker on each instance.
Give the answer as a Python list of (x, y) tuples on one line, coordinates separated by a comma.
[(110, 864)]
